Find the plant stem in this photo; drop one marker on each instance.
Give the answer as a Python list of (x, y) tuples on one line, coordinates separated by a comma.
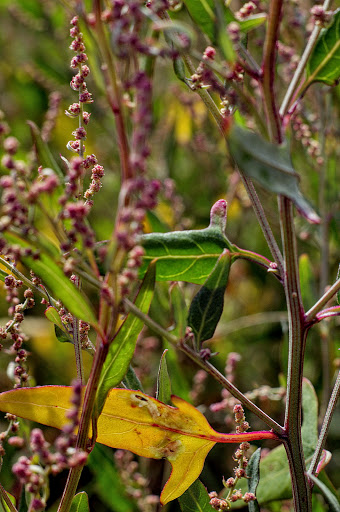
[(77, 343), (84, 423), (297, 341), (268, 68), (302, 64), (318, 306), (325, 427), (208, 367)]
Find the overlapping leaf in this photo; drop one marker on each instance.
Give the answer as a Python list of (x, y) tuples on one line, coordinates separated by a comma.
[(207, 305), (187, 255), (133, 421), (324, 62), (270, 166)]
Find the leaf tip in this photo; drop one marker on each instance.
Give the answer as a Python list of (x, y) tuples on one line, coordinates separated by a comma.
[(218, 215)]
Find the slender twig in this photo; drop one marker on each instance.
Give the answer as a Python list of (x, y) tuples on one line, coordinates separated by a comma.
[(310, 315), (5, 498), (208, 367), (325, 427), (302, 64), (77, 343)]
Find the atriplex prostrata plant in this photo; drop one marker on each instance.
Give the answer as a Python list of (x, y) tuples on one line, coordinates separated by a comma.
[(258, 85)]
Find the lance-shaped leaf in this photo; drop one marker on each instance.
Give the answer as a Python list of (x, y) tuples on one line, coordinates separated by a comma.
[(207, 305), (333, 502), (324, 62), (133, 421), (253, 475), (188, 255), (269, 165), (123, 346), (163, 393)]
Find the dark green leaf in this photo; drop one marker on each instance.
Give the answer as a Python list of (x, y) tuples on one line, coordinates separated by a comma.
[(307, 281), (123, 346), (179, 68), (331, 499), (195, 499), (253, 474), (61, 335), (131, 381), (163, 393), (207, 306), (188, 255), (44, 154), (80, 503), (324, 62), (269, 165), (338, 293)]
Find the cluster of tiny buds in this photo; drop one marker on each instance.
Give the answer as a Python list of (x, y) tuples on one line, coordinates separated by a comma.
[(246, 10), (130, 274), (234, 31), (303, 133), (242, 425), (136, 485), (51, 115), (320, 15), (221, 504)]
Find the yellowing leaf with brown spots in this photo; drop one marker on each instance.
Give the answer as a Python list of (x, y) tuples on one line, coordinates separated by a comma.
[(133, 421)]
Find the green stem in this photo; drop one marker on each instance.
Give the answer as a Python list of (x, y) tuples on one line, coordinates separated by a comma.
[(208, 367), (325, 427), (318, 306)]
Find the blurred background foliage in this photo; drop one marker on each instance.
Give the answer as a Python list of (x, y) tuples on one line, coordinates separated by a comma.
[(186, 147)]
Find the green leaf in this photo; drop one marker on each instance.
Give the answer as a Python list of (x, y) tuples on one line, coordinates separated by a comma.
[(195, 499), (252, 22), (163, 393), (253, 474), (202, 12), (80, 503), (131, 381), (3, 275), (331, 499), (187, 255), (7, 501), (44, 154), (123, 345), (338, 293), (270, 166), (53, 316), (207, 306), (179, 310), (274, 467), (106, 481), (307, 281), (61, 287), (324, 62)]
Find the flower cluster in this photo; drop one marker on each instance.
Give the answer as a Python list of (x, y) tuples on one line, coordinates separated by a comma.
[(134, 482), (33, 471), (246, 10), (241, 460)]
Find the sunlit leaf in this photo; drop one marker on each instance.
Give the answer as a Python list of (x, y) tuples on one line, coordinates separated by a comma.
[(187, 255), (133, 421), (207, 305), (80, 503), (269, 165), (324, 62), (195, 499), (163, 393), (123, 346), (202, 12), (331, 499)]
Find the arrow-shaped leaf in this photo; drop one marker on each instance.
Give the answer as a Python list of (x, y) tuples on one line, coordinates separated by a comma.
[(188, 255), (324, 62), (137, 422), (207, 306), (269, 165), (123, 346)]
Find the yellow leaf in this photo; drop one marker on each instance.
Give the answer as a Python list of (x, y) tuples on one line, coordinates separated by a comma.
[(137, 422)]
